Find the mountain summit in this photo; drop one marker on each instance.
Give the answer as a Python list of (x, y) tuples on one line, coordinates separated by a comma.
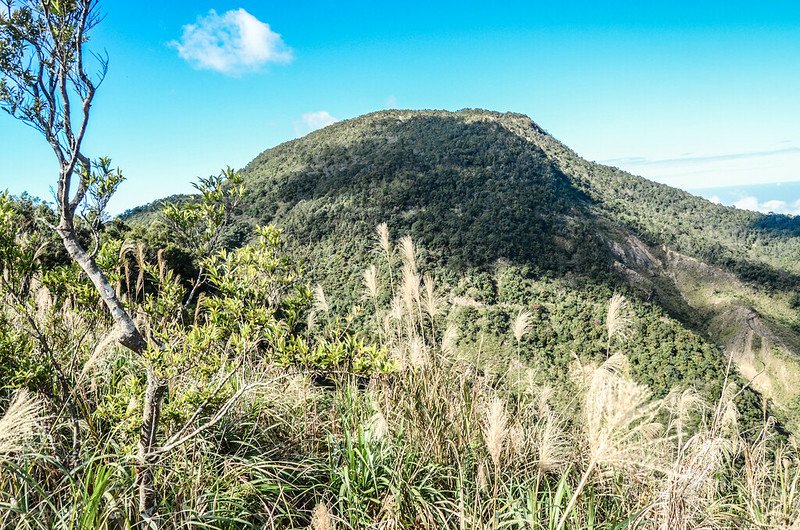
[(483, 185), (476, 187)]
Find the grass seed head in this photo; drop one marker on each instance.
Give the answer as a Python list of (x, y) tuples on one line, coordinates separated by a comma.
[(521, 325), (495, 430), (382, 233), (320, 300), (321, 518), (371, 282), (618, 320), (20, 423)]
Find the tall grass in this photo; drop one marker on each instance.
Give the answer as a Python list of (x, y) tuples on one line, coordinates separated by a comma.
[(440, 443)]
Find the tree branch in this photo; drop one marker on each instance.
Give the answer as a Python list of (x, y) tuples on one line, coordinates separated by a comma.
[(170, 445)]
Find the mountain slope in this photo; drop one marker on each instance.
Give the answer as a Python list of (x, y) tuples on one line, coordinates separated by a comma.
[(474, 187), (469, 191)]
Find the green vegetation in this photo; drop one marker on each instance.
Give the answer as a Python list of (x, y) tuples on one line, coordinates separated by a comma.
[(481, 191), (260, 355), (477, 186), (413, 428)]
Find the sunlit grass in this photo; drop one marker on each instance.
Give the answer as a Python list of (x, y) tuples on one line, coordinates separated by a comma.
[(437, 443)]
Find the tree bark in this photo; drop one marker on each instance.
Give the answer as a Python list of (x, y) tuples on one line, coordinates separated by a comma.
[(129, 334), (130, 337), (145, 475)]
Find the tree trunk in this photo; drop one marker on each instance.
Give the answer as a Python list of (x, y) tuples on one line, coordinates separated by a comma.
[(145, 476), (130, 337)]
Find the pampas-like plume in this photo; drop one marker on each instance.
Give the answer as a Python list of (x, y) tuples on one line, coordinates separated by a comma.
[(389, 516), (395, 308), (619, 422), (100, 351), (618, 321), (371, 282), (545, 394), (162, 265), (320, 301), (321, 518), (198, 307), (378, 424), (725, 421), (495, 430), (138, 251), (619, 417), (690, 483), (429, 301), (417, 352), (449, 340), (410, 286), (480, 478), (44, 303), (382, 232), (127, 247), (521, 325), (517, 439), (682, 405), (409, 291), (39, 252), (20, 423), (552, 443), (409, 253)]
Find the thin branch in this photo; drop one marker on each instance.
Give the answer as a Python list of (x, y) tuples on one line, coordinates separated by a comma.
[(199, 410), (213, 421), (198, 282)]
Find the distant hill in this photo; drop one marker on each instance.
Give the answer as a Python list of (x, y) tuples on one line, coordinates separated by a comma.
[(477, 188)]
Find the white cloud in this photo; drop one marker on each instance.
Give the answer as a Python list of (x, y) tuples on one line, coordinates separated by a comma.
[(774, 206), (748, 203), (715, 200), (311, 121), (232, 43), (391, 102)]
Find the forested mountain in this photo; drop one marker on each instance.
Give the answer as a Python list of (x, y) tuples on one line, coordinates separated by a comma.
[(488, 196), (482, 185), (406, 320), (481, 192)]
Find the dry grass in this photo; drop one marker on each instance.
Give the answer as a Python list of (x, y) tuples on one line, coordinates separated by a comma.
[(320, 300), (439, 443), (19, 425), (620, 418), (495, 430), (618, 319), (552, 442), (384, 245), (371, 282), (321, 518), (521, 325)]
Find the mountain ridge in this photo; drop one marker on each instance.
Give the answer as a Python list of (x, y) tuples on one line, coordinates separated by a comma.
[(476, 188)]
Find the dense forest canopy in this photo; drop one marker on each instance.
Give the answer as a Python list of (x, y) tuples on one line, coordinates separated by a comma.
[(482, 193)]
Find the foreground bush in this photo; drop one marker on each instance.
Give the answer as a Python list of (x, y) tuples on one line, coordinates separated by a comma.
[(423, 435)]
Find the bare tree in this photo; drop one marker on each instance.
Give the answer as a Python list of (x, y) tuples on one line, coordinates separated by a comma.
[(48, 80)]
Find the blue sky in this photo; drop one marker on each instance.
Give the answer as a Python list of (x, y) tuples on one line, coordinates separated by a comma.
[(696, 95)]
